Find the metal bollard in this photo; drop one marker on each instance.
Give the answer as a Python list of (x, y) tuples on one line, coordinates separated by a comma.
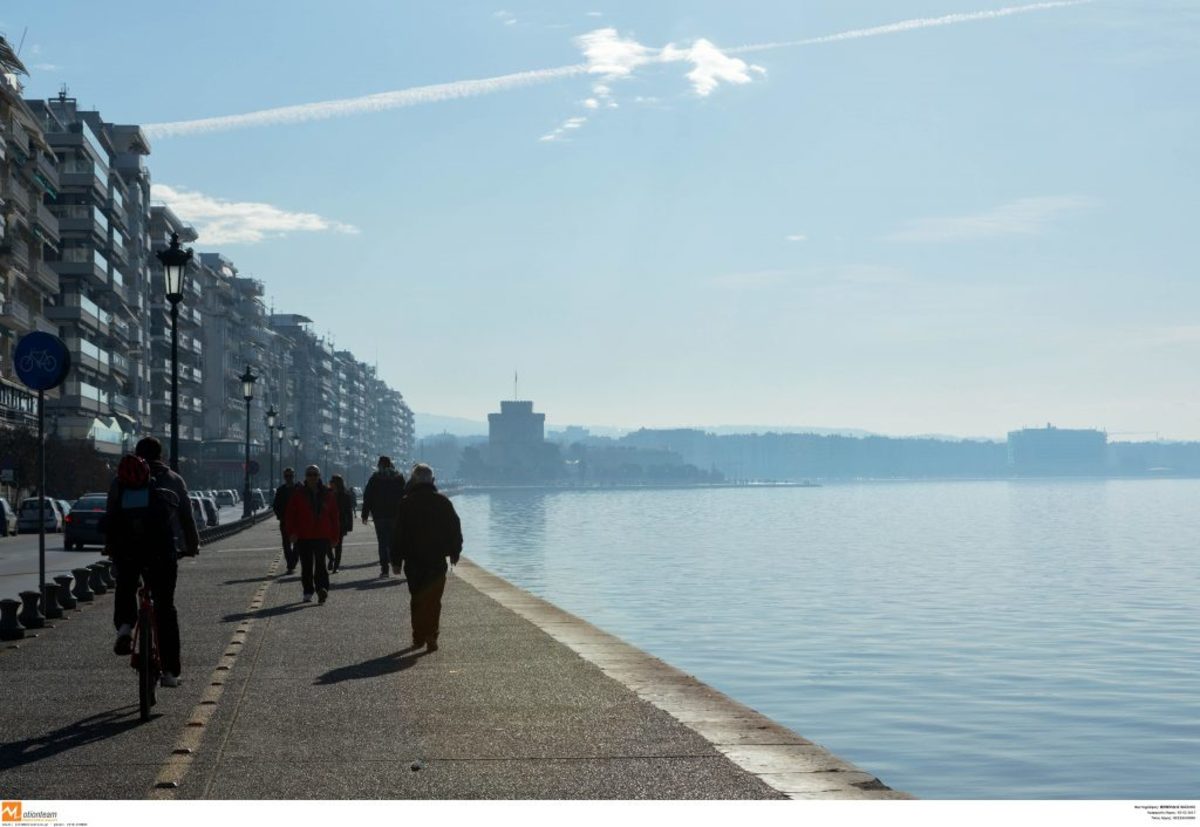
[(96, 579), (106, 573), (10, 627), (65, 598), (81, 591), (31, 612), (50, 605)]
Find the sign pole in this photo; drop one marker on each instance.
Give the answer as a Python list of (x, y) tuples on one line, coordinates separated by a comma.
[(42, 493)]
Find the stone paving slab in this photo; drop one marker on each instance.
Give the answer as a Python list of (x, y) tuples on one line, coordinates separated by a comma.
[(288, 700)]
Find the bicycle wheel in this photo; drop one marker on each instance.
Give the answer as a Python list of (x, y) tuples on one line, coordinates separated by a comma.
[(146, 677)]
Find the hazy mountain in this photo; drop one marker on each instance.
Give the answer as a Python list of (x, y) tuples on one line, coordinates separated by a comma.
[(426, 424)]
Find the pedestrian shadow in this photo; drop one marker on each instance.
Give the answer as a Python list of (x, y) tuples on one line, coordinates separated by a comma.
[(249, 580), (85, 731), (374, 668), (274, 611)]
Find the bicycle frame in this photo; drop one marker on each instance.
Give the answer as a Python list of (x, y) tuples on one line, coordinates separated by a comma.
[(145, 658)]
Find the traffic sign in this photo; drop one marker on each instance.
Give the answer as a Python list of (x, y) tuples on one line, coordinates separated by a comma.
[(41, 360)]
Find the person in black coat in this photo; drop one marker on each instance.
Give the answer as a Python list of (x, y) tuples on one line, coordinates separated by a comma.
[(346, 512), (279, 505), (381, 500), (427, 532)]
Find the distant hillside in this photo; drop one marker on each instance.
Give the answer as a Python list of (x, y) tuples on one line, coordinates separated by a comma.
[(426, 424)]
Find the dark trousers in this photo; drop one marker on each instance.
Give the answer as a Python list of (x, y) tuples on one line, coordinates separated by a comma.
[(383, 534), (426, 607), (161, 576), (337, 553), (289, 553), (313, 554)]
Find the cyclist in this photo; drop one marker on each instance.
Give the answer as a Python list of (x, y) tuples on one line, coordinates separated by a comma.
[(171, 534)]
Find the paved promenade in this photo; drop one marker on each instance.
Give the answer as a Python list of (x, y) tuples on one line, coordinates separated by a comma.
[(283, 699)]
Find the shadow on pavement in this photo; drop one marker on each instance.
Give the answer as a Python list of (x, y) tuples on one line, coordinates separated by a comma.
[(374, 668), (243, 580), (93, 728), (274, 611)]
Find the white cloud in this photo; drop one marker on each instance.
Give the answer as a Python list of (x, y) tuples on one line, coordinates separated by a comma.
[(561, 130), (710, 66), (506, 17), (796, 237), (1025, 216), (591, 103), (595, 14), (219, 221)]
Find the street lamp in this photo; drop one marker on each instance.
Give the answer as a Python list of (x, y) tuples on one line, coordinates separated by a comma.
[(248, 380), (296, 452), (271, 414), (279, 429), (175, 263), (325, 458)]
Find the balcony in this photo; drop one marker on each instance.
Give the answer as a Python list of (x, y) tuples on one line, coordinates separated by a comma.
[(120, 365), (16, 251), (46, 172), (85, 263), (15, 315), (77, 174), (46, 278), (48, 223)]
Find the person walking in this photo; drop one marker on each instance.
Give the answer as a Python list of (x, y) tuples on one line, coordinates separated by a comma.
[(346, 513), (279, 506), (313, 524), (427, 531), (149, 525), (381, 499)]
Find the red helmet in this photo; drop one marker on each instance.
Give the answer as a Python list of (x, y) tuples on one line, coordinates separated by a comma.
[(133, 472)]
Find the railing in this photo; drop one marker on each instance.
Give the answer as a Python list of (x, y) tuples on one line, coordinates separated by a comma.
[(220, 532)]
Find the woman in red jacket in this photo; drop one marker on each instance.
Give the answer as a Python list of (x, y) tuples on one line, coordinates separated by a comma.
[(313, 522)]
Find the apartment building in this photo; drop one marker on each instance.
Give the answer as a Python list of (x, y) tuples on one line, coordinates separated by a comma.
[(29, 232), (102, 282)]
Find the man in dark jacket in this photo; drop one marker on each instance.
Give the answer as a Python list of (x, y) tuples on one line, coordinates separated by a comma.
[(160, 563), (279, 506), (381, 499), (427, 532)]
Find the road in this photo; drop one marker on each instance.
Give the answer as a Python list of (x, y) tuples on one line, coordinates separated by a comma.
[(19, 557)]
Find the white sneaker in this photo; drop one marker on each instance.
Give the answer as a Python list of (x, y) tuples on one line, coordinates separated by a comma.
[(167, 679), (308, 597)]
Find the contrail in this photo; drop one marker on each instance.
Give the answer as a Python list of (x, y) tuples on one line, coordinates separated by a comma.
[(909, 25), (454, 90), (367, 103)]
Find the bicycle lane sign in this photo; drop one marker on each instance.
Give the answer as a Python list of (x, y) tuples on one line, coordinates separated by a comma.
[(41, 361)]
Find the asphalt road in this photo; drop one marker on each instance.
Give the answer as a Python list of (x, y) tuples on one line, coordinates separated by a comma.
[(19, 557)]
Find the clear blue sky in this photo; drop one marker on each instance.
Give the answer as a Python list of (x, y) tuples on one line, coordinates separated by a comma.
[(961, 227)]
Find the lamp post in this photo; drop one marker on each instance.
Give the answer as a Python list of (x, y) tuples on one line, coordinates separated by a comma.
[(248, 380), (279, 429), (325, 459), (296, 452), (175, 262), (271, 414)]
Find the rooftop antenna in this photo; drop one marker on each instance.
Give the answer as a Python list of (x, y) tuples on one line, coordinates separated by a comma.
[(21, 45)]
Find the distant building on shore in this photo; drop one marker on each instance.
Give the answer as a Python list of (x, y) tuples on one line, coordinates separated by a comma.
[(1054, 451)]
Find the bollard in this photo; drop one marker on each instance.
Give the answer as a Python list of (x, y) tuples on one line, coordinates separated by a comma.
[(65, 598), (10, 627), (50, 605), (106, 573), (96, 580), (81, 591), (31, 612)]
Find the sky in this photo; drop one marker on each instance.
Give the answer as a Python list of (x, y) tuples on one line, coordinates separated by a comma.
[(946, 216)]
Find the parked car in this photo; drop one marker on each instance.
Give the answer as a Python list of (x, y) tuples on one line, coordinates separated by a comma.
[(225, 498), (65, 506), (83, 525), (258, 500), (212, 515), (8, 518), (28, 519)]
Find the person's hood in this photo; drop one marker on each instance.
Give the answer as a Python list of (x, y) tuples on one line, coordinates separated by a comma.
[(387, 472)]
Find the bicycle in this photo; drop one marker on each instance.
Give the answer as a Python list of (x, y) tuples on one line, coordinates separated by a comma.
[(145, 642), (41, 358)]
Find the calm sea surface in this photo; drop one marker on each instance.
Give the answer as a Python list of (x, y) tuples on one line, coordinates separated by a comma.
[(1029, 640)]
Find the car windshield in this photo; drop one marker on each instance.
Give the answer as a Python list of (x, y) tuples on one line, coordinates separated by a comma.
[(90, 504)]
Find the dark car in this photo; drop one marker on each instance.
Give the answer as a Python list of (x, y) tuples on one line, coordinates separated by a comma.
[(82, 524)]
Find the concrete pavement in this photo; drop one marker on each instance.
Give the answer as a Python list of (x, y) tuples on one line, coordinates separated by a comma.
[(283, 699)]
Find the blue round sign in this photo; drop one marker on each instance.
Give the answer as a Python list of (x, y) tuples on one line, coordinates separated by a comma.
[(41, 361)]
